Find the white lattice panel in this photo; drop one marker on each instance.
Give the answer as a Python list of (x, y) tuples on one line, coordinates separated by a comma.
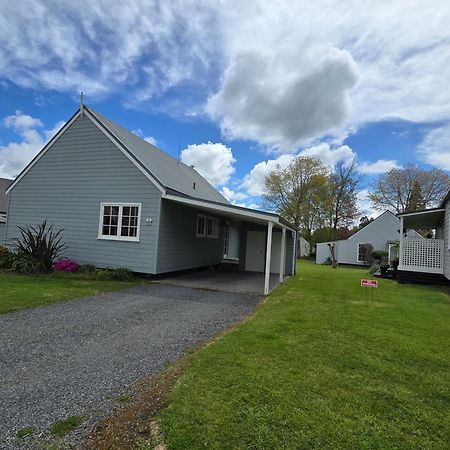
[(423, 253)]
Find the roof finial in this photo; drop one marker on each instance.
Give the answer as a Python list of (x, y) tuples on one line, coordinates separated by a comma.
[(81, 103)]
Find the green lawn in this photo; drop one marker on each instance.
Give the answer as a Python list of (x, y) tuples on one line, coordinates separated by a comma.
[(317, 367), (27, 291)]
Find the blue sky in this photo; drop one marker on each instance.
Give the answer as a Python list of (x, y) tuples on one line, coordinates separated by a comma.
[(235, 89)]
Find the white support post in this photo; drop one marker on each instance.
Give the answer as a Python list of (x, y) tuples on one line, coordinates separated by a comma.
[(282, 253), (268, 257), (400, 250)]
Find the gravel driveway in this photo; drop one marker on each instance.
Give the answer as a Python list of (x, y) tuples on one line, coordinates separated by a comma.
[(70, 358)]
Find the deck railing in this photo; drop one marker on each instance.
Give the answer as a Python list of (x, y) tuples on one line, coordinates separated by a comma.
[(422, 255)]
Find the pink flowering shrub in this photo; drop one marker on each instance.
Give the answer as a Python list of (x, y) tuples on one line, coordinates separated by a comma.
[(66, 265)]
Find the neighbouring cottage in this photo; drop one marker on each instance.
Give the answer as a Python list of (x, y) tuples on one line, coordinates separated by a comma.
[(383, 234)]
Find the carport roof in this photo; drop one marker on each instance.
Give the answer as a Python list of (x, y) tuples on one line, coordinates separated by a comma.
[(228, 210)]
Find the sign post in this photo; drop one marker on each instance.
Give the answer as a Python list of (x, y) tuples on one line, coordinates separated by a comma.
[(369, 284)]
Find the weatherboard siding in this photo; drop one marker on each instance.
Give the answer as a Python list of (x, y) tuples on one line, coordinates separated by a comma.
[(66, 187), (178, 246)]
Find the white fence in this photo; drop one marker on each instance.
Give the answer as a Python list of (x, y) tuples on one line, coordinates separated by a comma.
[(422, 255)]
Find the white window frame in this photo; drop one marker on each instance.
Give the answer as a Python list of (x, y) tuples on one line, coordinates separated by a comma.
[(215, 235), (201, 235), (119, 222), (357, 250)]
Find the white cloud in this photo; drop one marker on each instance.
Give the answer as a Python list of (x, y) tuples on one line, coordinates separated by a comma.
[(150, 140), (279, 73), (328, 155), (365, 205), (20, 122), (16, 155), (266, 98), (255, 181), (380, 166), (434, 149), (233, 196), (214, 161)]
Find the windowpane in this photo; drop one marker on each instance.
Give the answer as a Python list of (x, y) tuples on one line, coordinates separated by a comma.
[(128, 225)]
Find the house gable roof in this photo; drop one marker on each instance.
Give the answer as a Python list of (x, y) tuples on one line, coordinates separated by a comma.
[(371, 224), (4, 185), (170, 172), (159, 167)]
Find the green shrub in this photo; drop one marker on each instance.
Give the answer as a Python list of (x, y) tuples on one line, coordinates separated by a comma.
[(374, 268), (122, 274), (87, 268), (23, 263), (41, 245), (103, 274), (379, 254), (5, 258)]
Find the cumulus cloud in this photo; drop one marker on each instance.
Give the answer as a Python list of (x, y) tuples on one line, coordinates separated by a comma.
[(265, 98), (254, 181), (328, 155), (279, 73), (149, 139), (214, 161), (233, 196), (434, 149), (16, 155), (380, 166)]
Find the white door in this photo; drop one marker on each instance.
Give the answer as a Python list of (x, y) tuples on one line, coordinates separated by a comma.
[(276, 253), (255, 254)]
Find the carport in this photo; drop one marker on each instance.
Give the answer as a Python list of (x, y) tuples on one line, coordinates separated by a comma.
[(259, 248)]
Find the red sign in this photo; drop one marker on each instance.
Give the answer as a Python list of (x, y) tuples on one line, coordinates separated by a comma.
[(369, 283)]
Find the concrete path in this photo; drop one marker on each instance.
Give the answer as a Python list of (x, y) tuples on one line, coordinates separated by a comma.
[(70, 358)]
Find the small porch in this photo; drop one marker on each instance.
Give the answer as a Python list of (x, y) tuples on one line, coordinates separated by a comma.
[(247, 250), (422, 259)]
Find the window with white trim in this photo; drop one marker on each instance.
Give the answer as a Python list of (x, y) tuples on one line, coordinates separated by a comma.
[(120, 221), (362, 250), (212, 228), (201, 225)]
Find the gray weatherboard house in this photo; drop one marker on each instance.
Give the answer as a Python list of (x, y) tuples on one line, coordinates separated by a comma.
[(122, 202)]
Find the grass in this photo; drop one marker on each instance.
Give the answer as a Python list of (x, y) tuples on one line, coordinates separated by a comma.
[(122, 398), (317, 368), (65, 426), (23, 432), (28, 291)]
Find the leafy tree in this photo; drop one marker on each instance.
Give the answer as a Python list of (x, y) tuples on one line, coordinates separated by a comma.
[(298, 193), (343, 183), (409, 189)]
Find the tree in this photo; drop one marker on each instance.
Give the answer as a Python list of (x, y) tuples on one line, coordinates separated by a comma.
[(409, 189), (343, 200), (298, 193)]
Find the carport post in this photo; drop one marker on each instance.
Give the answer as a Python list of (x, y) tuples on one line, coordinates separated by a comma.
[(268, 257), (282, 253)]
